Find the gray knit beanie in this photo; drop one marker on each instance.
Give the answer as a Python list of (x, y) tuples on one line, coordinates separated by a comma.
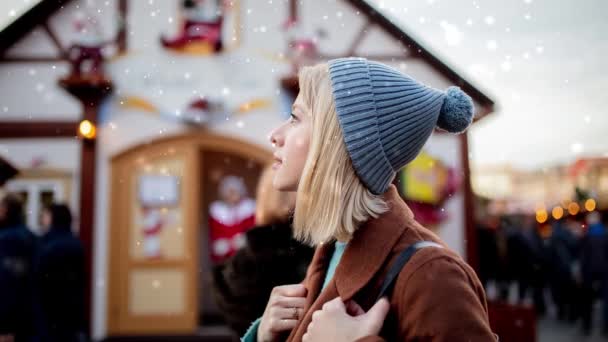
[(386, 117)]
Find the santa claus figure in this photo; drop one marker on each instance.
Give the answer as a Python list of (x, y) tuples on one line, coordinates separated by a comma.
[(152, 226), (230, 218)]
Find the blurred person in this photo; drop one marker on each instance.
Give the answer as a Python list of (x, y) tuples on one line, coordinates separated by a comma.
[(271, 257), (563, 255), (60, 279), (17, 248), (530, 259), (594, 270), (505, 268), (488, 249)]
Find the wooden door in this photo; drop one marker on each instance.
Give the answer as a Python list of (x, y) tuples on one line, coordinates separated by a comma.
[(153, 234)]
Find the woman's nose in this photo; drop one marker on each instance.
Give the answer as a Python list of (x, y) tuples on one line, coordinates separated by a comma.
[(275, 137)]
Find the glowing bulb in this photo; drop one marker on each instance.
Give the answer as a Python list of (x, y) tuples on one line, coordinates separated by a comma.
[(557, 213), (87, 129), (541, 216), (590, 204), (573, 208)]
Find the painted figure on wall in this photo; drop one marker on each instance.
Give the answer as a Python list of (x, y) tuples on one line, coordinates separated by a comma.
[(201, 29), (229, 218), (152, 226)]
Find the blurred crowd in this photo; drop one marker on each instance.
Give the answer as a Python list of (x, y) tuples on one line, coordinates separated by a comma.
[(560, 267), (42, 278)]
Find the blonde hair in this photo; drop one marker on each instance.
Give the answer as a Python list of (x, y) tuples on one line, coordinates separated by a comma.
[(272, 206), (331, 201)]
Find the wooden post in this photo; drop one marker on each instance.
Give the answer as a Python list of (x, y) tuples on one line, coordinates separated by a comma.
[(90, 93), (469, 207)]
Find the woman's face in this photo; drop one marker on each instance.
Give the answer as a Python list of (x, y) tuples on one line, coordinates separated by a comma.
[(290, 142)]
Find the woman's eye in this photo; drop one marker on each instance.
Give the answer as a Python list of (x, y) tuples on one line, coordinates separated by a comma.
[(292, 118)]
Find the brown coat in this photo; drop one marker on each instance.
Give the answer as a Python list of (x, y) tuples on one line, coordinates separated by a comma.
[(437, 296)]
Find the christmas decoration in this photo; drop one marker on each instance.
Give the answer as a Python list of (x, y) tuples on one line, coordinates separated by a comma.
[(201, 30), (230, 218)]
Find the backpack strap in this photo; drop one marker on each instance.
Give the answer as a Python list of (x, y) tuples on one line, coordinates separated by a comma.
[(400, 262)]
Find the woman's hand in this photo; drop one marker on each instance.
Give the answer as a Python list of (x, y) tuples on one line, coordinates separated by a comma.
[(285, 307), (339, 322)]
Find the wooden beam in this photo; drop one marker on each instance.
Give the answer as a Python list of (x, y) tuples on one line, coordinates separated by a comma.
[(358, 38), (379, 58), (293, 10), (24, 59), (38, 129), (39, 13), (121, 39), (472, 252), (55, 39)]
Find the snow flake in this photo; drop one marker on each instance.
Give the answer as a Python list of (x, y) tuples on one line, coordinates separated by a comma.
[(492, 45)]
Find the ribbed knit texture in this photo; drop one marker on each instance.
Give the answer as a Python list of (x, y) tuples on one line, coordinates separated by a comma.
[(386, 117)]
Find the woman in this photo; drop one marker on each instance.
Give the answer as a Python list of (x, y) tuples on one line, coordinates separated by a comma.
[(355, 123), (271, 257)]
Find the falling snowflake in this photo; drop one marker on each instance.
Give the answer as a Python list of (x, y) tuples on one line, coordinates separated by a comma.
[(540, 49), (587, 119), (469, 22), (12, 13), (527, 16), (506, 66), (452, 34), (492, 45), (489, 20)]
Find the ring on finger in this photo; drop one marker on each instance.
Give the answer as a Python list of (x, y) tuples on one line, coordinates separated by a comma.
[(295, 313)]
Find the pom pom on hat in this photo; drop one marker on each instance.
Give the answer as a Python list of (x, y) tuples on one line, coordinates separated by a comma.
[(456, 112)]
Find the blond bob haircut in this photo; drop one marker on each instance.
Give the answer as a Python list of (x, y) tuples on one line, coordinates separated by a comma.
[(272, 206), (331, 200)]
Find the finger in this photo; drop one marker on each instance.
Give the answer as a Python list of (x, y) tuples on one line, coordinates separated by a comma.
[(280, 325), (354, 309), (334, 304), (287, 313), (296, 290), (289, 302), (374, 318)]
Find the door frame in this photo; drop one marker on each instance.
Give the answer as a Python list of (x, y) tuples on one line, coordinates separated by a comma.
[(193, 144)]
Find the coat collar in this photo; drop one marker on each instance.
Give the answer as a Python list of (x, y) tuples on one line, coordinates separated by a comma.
[(371, 245)]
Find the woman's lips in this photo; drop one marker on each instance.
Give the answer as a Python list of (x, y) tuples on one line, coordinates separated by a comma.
[(277, 162)]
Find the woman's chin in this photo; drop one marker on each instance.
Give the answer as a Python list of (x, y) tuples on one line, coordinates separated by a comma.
[(283, 185)]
